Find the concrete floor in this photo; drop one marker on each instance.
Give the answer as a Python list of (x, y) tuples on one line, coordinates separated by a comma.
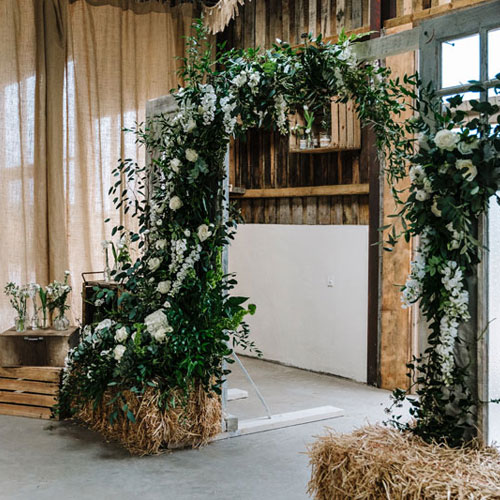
[(51, 460)]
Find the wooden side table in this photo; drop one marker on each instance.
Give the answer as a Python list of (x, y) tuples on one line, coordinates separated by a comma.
[(31, 364)]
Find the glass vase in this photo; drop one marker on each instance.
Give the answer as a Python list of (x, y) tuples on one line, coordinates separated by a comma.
[(44, 321), (20, 322), (61, 323)]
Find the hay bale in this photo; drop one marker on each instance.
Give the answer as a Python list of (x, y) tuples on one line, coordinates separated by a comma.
[(190, 423), (376, 462)]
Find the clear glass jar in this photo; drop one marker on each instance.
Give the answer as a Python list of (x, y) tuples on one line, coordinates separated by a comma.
[(20, 322), (61, 323)]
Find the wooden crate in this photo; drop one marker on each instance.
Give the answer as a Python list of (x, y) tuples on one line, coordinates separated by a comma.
[(29, 391), (345, 133), (89, 310), (36, 347)]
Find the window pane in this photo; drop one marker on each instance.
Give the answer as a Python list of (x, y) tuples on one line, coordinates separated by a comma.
[(459, 61), (493, 53)]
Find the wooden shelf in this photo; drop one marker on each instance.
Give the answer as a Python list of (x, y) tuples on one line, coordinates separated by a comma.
[(321, 150), (294, 192)]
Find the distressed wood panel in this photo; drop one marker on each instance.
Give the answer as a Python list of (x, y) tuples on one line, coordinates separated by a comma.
[(261, 22), (262, 162), (396, 340)]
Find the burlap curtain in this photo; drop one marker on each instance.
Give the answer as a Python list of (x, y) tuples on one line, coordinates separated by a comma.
[(72, 75)]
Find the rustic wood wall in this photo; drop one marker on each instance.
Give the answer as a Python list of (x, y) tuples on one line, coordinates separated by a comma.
[(263, 160)]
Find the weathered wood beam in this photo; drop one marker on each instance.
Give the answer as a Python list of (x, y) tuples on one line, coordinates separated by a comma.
[(293, 192)]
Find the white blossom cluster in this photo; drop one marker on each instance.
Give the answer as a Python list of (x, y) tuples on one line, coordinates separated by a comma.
[(455, 312), (281, 112), (208, 104), (228, 105), (413, 288)]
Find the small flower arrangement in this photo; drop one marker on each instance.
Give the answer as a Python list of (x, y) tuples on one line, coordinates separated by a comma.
[(57, 293), (17, 297)]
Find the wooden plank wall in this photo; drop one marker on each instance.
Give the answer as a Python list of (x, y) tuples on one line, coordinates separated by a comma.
[(263, 161)]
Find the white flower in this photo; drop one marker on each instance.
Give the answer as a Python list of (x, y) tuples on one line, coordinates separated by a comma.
[(434, 209), (105, 323), (164, 286), (190, 126), (421, 195), (467, 147), (105, 244), (157, 325), (175, 203), (154, 264), (175, 164), (161, 244), (417, 173), (423, 142), (167, 304), (427, 185), (67, 273), (204, 232), (121, 334), (446, 139), (240, 80), (469, 169), (191, 155), (118, 352), (99, 302)]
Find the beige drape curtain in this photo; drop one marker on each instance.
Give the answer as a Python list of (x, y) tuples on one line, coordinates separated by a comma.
[(72, 75)]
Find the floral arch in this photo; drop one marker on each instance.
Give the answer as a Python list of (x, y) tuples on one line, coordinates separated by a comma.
[(175, 320)]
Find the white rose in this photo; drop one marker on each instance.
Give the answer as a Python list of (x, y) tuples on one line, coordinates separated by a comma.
[(204, 232), (105, 323), (446, 139), (191, 155), (121, 334), (469, 170), (154, 263), (421, 195), (175, 203), (187, 233), (467, 147), (161, 244), (175, 164), (118, 352), (434, 209), (164, 287)]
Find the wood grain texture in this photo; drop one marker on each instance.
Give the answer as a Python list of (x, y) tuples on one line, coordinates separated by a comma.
[(396, 341), (11, 384), (37, 373), (27, 399), (25, 411)]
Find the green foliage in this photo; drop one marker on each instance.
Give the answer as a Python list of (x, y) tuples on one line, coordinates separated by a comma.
[(453, 180), (175, 320)]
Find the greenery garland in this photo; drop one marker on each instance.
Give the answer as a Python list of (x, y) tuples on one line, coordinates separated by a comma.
[(175, 320), (455, 171)]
